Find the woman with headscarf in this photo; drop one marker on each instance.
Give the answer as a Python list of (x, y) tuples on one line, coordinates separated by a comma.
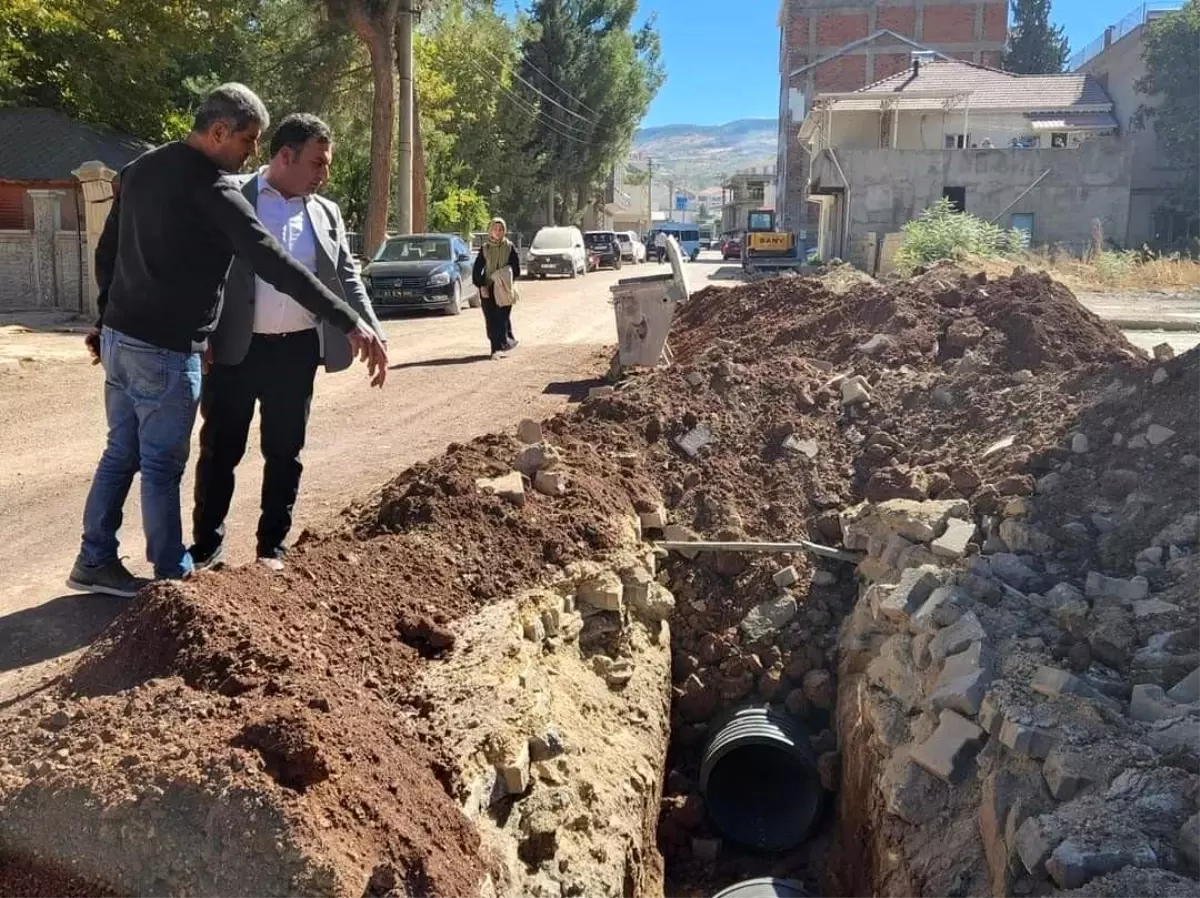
[(496, 254)]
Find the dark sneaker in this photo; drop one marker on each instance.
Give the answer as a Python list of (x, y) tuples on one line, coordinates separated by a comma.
[(112, 579), (202, 562)]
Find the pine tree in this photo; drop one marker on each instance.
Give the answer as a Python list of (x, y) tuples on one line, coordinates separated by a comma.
[(1035, 47)]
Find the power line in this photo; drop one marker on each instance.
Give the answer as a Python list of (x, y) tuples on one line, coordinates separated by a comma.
[(565, 92), (548, 124), (544, 96)]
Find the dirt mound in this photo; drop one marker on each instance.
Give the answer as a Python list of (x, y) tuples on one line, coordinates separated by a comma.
[(293, 693), (1033, 322), (1131, 468)]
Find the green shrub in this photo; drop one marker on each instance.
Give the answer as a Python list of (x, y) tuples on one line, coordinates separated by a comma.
[(942, 233)]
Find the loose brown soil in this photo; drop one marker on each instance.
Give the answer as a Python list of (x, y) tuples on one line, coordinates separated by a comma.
[(295, 688)]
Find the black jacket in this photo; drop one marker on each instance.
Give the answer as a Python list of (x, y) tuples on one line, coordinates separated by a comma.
[(479, 272), (173, 229)]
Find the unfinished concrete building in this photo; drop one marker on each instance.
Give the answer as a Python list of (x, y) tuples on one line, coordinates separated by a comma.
[(842, 45), (745, 191), (1115, 60), (1037, 153)]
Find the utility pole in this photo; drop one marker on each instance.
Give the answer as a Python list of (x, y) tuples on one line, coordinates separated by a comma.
[(404, 173), (649, 193), (671, 199)]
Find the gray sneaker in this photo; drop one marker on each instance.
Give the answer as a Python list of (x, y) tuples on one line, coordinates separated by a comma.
[(111, 579)]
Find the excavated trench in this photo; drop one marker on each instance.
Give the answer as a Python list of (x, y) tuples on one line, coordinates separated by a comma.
[(750, 798)]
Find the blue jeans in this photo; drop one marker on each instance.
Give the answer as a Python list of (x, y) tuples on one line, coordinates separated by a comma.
[(150, 398)]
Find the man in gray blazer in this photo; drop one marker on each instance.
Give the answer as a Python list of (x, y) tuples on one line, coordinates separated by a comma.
[(266, 348)]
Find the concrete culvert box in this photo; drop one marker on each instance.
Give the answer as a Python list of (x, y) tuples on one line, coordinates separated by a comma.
[(759, 780), (767, 887)]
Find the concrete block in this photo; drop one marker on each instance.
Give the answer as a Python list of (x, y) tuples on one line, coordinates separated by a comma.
[(963, 694), (909, 792), (953, 543), (956, 637), (1186, 690), (1036, 840), (514, 770), (894, 670), (692, 442), (551, 483), (949, 751), (529, 431), (1128, 591), (1149, 703), (914, 587), (654, 520), (1026, 739), (1074, 864), (510, 487), (657, 603), (1153, 608), (768, 617), (786, 577), (933, 612), (1067, 772), (855, 390), (919, 520), (1156, 434), (604, 591)]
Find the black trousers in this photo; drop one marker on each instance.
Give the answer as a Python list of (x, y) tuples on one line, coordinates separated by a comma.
[(277, 373), (498, 320)]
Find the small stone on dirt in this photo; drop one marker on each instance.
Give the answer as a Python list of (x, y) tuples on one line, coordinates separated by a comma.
[(694, 440), (768, 617), (510, 487), (1156, 434), (529, 431)]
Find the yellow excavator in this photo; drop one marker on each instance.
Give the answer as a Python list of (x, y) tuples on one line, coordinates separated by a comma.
[(764, 247)]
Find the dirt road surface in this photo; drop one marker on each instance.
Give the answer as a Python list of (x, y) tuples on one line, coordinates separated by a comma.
[(441, 388)]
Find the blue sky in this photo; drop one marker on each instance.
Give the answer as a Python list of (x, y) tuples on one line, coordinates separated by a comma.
[(722, 56)]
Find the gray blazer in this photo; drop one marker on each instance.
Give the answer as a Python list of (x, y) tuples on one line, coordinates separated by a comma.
[(335, 269)]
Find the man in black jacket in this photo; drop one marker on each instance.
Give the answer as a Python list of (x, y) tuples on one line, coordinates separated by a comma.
[(161, 264), (266, 348)]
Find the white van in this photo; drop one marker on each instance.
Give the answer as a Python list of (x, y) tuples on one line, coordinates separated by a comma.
[(557, 251)]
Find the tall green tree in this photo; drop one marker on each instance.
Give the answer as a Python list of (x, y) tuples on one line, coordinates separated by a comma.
[(133, 65), (591, 76), (374, 23), (1035, 47), (474, 130), (1172, 89)]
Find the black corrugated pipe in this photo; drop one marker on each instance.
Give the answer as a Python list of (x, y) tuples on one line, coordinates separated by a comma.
[(759, 780), (764, 888)]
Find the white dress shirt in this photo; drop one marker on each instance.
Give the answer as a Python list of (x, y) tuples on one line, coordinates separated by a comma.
[(287, 221)]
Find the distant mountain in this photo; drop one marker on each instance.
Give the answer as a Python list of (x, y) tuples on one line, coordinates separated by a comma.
[(699, 155)]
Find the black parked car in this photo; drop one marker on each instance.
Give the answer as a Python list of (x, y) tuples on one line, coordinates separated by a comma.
[(422, 271), (606, 247)]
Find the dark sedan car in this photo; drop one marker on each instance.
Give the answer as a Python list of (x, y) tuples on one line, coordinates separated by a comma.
[(422, 271), (606, 247)]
